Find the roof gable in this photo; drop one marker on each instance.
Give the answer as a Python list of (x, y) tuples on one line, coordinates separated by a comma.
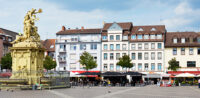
[(114, 26)]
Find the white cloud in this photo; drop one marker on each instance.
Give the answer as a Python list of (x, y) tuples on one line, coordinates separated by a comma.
[(183, 8)]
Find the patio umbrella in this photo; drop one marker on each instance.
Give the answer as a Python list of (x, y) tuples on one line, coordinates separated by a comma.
[(185, 75), (90, 73), (198, 75)]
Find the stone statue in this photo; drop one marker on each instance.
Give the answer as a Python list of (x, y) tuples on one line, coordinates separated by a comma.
[(30, 30)]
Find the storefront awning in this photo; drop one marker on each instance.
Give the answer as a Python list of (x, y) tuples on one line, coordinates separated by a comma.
[(179, 72), (152, 76)]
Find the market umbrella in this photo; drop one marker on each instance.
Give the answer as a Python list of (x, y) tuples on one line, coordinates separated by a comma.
[(112, 74), (90, 73), (185, 75), (198, 75)]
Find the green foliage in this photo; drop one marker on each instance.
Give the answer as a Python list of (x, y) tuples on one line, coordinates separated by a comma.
[(173, 64), (125, 62), (6, 61), (87, 61), (49, 63)]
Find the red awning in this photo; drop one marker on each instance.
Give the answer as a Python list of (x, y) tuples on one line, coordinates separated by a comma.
[(179, 72)]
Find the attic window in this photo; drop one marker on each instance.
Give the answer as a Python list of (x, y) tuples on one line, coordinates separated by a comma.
[(153, 29), (52, 46), (140, 29)]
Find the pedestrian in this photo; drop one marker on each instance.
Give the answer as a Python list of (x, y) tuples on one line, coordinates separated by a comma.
[(199, 82)]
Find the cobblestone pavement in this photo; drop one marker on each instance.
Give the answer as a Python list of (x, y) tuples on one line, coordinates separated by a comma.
[(103, 92)]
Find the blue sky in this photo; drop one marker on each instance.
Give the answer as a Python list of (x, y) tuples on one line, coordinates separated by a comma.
[(176, 15)]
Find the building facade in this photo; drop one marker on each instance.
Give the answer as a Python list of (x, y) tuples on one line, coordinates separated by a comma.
[(115, 44), (71, 43), (49, 45), (185, 47)]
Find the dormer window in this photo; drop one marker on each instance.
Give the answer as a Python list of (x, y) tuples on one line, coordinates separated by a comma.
[(153, 29), (133, 36), (182, 40), (104, 37), (198, 39), (152, 36), (146, 36), (139, 36), (140, 29), (52, 46), (159, 36), (9, 39), (125, 37), (175, 40)]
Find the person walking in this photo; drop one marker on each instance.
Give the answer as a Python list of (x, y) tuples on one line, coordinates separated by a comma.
[(199, 82)]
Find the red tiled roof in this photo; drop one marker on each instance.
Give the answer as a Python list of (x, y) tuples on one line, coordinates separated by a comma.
[(159, 29), (123, 25), (187, 35), (79, 31), (48, 43)]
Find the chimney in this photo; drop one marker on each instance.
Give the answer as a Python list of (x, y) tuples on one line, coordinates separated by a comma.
[(82, 28), (63, 28)]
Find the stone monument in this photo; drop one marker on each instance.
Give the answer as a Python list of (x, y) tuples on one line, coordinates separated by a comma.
[(27, 52)]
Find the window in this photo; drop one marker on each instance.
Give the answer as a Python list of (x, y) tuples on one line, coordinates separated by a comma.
[(146, 66), (117, 37), (191, 51), (82, 46), (140, 66), (125, 37), (105, 67), (105, 46), (104, 37), (139, 36), (152, 36), (52, 46), (159, 36), (111, 37), (9, 39), (133, 36), (159, 55), (133, 56), (123, 54), (93, 46), (159, 66), (124, 47), (117, 46), (198, 51), (72, 46), (153, 29), (182, 40), (111, 56), (182, 51), (74, 39), (111, 47), (146, 36), (152, 45), (174, 51), (191, 63), (62, 47), (159, 45), (117, 56), (146, 56), (105, 56), (198, 39), (133, 46), (139, 56), (117, 67), (152, 66), (140, 29), (133, 68), (146, 46), (111, 67), (152, 55), (175, 40), (140, 46)]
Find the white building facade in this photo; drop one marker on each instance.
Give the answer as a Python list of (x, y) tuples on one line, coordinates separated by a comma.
[(115, 44), (70, 44)]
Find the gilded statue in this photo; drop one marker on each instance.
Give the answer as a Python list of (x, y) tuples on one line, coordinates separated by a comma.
[(30, 30)]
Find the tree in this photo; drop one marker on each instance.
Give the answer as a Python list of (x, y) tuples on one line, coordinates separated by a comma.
[(49, 63), (87, 61), (173, 64), (125, 62), (6, 61)]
